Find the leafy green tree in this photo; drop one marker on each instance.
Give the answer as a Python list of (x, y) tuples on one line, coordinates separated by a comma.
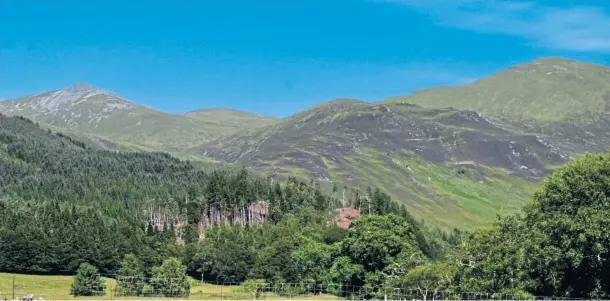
[(343, 275), (312, 261), (333, 234), (275, 260), (375, 286), (495, 259), (431, 280), (228, 255), (372, 241), (170, 279), (130, 281), (402, 263), (254, 287), (87, 282), (570, 217), (558, 246)]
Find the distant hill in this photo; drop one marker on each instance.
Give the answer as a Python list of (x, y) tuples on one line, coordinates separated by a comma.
[(86, 109), (567, 100), (456, 156), (545, 91)]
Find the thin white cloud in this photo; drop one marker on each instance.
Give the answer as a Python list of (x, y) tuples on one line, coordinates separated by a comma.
[(573, 28)]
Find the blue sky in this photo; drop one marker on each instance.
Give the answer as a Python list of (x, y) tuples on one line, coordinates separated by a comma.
[(279, 57)]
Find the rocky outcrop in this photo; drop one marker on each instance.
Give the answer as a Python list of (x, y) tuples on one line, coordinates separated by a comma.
[(251, 214)]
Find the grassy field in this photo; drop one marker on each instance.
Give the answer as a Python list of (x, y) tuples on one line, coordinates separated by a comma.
[(47, 287), (58, 288)]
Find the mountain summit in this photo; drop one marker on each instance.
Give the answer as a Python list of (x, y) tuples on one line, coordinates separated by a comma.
[(85, 109), (566, 100), (81, 106), (83, 86), (543, 92)]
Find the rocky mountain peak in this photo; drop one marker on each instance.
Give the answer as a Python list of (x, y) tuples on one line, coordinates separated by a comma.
[(54, 100), (83, 87)]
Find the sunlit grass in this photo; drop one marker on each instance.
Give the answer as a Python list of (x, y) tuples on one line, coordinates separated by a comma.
[(58, 288)]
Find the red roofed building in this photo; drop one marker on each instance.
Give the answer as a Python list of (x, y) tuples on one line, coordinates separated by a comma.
[(345, 216)]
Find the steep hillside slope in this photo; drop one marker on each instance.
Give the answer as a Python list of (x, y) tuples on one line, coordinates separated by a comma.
[(567, 100), (449, 166), (544, 91), (83, 109), (39, 164)]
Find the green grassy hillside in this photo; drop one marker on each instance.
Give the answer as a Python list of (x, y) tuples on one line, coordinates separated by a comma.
[(459, 195), (545, 91), (231, 118)]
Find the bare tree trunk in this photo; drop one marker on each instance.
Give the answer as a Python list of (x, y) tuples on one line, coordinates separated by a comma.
[(250, 216)]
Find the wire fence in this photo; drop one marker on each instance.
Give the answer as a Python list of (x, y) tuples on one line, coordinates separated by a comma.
[(132, 288)]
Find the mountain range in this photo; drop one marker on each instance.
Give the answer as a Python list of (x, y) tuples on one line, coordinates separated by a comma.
[(86, 109), (457, 156)]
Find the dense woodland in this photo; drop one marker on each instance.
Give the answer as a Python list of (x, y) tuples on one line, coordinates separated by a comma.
[(63, 204)]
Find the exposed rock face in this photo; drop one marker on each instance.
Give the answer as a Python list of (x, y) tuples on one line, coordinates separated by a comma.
[(251, 214)]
